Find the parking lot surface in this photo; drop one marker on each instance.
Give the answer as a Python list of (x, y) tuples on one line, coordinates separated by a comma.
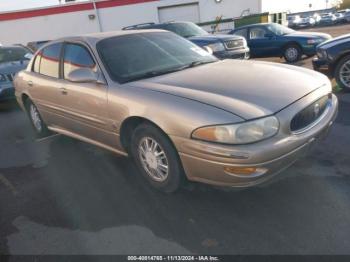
[(62, 196)]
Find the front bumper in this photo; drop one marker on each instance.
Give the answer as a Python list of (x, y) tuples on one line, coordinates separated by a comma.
[(243, 53), (321, 66), (208, 163), (7, 92)]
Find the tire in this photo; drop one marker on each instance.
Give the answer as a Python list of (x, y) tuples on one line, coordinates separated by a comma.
[(169, 179), (292, 53), (343, 69), (36, 120)]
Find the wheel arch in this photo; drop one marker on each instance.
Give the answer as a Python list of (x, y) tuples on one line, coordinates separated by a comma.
[(129, 125), (23, 99), (289, 43), (336, 62)]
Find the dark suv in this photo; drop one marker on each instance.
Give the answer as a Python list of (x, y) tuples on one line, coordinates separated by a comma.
[(223, 46), (12, 60)]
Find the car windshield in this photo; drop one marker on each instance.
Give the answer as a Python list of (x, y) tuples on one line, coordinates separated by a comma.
[(278, 29), (185, 29), (143, 55), (9, 54)]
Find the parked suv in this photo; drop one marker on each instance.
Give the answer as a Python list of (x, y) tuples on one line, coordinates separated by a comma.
[(223, 46), (12, 60)]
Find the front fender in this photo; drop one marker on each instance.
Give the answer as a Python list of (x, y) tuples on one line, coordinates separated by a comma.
[(175, 115)]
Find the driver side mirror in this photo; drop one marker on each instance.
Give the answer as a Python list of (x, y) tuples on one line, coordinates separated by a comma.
[(82, 75)]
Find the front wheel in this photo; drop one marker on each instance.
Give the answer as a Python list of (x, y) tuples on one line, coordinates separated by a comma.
[(157, 158), (342, 73), (37, 122), (292, 53)]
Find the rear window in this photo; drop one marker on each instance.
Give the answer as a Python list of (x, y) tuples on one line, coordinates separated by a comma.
[(50, 60)]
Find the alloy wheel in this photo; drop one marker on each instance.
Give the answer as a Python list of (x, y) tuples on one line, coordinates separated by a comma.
[(292, 53), (344, 74), (34, 114), (153, 159)]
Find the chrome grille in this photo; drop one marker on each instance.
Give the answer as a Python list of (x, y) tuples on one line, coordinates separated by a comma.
[(309, 115), (234, 44), (10, 77)]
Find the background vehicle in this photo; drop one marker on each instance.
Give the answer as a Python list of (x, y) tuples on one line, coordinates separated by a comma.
[(293, 21), (34, 46), (347, 16), (340, 17), (333, 59), (317, 18), (177, 110), (12, 60), (223, 46), (274, 40), (328, 19), (299, 21)]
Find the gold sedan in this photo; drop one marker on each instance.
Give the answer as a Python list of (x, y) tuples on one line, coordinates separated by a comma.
[(177, 110)]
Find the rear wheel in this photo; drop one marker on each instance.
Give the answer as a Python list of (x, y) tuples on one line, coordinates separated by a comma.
[(157, 158), (38, 124), (292, 53), (342, 73)]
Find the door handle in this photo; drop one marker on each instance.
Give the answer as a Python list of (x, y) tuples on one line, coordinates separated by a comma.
[(63, 91), (30, 83)]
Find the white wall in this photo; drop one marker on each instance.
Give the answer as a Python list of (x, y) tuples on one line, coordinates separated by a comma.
[(45, 27), (292, 6), (114, 18)]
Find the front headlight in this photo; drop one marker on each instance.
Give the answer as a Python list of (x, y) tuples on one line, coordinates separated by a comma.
[(321, 53), (243, 133), (217, 47), (314, 41)]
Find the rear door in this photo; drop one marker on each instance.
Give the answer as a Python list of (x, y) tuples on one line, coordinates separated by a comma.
[(44, 83), (85, 104)]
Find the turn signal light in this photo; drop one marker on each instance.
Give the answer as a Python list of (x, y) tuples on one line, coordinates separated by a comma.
[(240, 170), (245, 171)]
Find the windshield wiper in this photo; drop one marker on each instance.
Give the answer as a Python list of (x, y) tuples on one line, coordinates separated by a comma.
[(167, 71)]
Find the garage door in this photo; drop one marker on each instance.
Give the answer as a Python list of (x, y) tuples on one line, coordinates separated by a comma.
[(188, 12)]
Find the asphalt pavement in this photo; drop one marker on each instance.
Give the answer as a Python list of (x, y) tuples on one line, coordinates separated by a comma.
[(62, 196)]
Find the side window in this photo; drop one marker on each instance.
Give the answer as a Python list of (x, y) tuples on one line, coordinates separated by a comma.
[(36, 67), (242, 32), (50, 60), (75, 57), (257, 33)]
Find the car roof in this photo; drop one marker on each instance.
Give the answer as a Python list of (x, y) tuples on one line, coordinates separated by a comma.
[(153, 25), (12, 46), (251, 25)]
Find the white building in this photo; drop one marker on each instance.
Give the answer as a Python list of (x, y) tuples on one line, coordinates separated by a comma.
[(107, 15)]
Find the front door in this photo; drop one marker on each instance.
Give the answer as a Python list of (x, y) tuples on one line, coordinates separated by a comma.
[(85, 104), (261, 42)]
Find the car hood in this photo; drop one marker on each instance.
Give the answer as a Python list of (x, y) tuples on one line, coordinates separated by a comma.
[(337, 40), (249, 89), (12, 67), (310, 35)]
